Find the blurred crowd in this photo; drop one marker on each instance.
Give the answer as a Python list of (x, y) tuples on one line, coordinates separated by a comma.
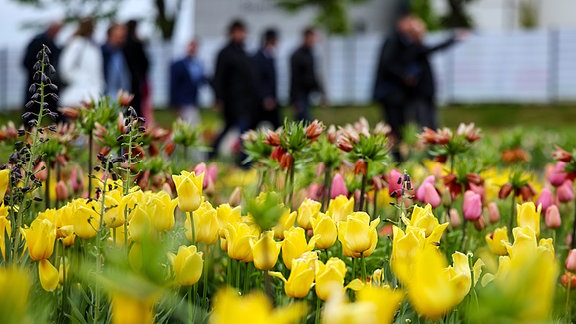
[(244, 84)]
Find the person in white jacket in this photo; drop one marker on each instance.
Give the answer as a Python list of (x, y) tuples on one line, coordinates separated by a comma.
[(81, 67)]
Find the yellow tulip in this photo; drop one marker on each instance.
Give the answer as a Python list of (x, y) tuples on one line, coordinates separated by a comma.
[(206, 225), (434, 288), (4, 181), (301, 276), (226, 214), (372, 305), (14, 282), (114, 213), (404, 248), (329, 277), (527, 276), (358, 234), (285, 223), (325, 228), (294, 245), (265, 251), (85, 218), (498, 240), (129, 309), (340, 207), (238, 236), (48, 274), (140, 226), (187, 264), (529, 216), (162, 210), (40, 239), (189, 189), (385, 301), (254, 308), (423, 218), (308, 209), (5, 229)]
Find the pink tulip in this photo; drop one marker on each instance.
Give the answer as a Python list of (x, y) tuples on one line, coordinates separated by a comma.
[(431, 195), (212, 172), (557, 176), (493, 213), (315, 191), (395, 183), (472, 206), (454, 218), (338, 186), (571, 261), (420, 191), (565, 192), (545, 199), (552, 217), (77, 179), (61, 191), (479, 189)]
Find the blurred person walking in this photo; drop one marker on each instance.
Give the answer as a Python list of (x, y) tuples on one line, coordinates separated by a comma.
[(187, 75), (393, 78), (303, 78), (138, 66), (422, 90), (81, 67), (234, 85), (48, 38), (267, 80), (115, 65)]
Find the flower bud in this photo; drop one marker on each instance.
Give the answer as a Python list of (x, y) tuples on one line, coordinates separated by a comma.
[(571, 261), (454, 218), (61, 191), (472, 206), (527, 192), (286, 161), (565, 192), (557, 176), (561, 155), (41, 171), (568, 279), (236, 197), (479, 224), (272, 138), (431, 195), (505, 191), (338, 186), (552, 217), (493, 213), (360, 167), (545, 199)]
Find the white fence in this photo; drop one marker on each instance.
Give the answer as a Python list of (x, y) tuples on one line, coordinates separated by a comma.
[(524, 66)]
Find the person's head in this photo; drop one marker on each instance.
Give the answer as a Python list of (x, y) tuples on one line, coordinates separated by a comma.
[(116, 35), (54, 28), (132, 28), (85, 27), (237, 31), (192, 48), (404, 23), (417, 29), (309, 36), (270, 38)]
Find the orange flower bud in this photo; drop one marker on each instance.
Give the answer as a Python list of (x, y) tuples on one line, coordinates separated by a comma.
[(61, 191), (505, 191)]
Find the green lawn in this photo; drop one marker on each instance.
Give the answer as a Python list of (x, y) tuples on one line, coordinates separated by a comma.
[(492, 116)]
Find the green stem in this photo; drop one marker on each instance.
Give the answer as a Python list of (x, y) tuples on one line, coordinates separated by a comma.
[(513, 205), (568, 305), (363, 189), (363, 263), (90, 153), (238, 266), (574, 228), (327, 187), (191, 306), (192, 227), (375, 206), (47, 188), (464, 232), (317, 317), (247, 277), (205, 280), (291, 193)]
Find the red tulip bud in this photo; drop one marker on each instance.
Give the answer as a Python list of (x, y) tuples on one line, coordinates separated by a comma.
[(505, 191)]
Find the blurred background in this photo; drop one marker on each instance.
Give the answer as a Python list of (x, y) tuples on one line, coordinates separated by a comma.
[(518, 51)]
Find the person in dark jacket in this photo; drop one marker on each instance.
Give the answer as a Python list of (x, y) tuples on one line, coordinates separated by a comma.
[(138, 66), (393, 80), (267, 80), (187, 75), (303, 78), (114, 63), (422, 92), (47, 38), (234, 85)]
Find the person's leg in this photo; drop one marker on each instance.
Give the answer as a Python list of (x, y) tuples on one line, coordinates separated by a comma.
[(303, 108), (394, 115)]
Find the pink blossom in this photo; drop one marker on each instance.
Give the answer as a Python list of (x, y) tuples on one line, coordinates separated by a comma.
[(479, 189), (420, 191), (395, 183), (552, 217), (557, 176), (565, 192), (545, 199), (338, 186), (314, 192), (210, 173), (454, 217), (431, 195), (77, 179), (472, 206), (571, 261), (493, 213)]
